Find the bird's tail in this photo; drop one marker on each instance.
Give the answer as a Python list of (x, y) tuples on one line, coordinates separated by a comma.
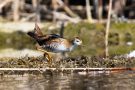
[(33, 35), (36, 33)]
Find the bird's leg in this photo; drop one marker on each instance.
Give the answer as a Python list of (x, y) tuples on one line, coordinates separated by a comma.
[(45, 54)]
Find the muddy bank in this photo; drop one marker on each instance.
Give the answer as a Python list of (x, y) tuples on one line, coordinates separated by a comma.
[(69, 62)]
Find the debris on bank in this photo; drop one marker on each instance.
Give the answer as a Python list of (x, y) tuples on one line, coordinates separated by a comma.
[(69, 62), (131, 54)]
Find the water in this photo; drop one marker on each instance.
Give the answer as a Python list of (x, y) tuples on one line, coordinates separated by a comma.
[(71, 81)]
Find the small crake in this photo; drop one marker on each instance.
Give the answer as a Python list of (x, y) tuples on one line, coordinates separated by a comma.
[(53, 42)]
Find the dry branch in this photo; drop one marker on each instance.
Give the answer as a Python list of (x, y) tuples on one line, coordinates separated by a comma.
[(62, 17), (28, 17), (67, 9), (107, 29), (4, 3)]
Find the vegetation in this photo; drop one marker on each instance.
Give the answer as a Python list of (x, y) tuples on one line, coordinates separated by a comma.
[(70, 62)]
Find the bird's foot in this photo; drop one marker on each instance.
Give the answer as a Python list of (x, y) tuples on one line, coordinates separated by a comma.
[(48, 57)]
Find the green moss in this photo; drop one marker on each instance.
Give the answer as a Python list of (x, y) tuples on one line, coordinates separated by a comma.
[(122, 27), (16, 40)]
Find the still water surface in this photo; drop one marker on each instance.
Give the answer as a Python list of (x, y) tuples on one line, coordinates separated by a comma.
[(74, 81)]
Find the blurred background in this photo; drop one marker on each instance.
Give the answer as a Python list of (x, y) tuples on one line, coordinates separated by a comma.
[(69, 18)]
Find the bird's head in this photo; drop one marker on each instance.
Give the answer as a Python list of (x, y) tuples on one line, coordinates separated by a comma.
[(77, 41)]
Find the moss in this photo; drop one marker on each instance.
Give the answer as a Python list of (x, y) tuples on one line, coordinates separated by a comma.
[(17, 40), (122, 26)]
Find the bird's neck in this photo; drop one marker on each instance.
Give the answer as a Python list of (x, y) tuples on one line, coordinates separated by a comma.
[(73, 46)]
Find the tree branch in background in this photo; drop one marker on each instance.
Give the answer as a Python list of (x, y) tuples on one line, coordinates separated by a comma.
[(67, 9), (35, 4), (5, 2), (100, 9), (16, 10), (88, 11), (62, 16)]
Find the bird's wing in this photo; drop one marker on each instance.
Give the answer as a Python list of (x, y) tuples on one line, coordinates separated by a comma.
[(49, 37), (46, 38), (59, 41)]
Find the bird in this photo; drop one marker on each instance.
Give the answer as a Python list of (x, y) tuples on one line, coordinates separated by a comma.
[(53, 43)]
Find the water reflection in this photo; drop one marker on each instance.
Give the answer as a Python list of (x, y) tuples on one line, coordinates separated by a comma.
[(61, 81)]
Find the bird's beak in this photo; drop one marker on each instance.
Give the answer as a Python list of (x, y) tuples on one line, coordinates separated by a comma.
[(81, 46)]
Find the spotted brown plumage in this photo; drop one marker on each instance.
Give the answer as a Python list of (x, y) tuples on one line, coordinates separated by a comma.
[(53, 42)]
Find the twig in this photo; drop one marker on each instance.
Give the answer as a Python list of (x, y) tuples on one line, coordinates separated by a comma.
[(107, 29)]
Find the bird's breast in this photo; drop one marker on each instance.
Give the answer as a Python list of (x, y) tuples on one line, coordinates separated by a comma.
[(55, 48), (58, 45)]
